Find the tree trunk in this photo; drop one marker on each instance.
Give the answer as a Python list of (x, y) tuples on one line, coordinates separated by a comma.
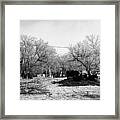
[(88, 71), (50, 72)]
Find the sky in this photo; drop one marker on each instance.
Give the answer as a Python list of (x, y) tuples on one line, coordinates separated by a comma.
[(61, 33)]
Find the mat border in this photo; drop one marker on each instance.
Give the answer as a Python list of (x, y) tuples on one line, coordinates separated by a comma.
[(69, 2)]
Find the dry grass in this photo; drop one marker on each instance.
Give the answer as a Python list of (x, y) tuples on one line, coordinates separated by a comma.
[(41, 88)]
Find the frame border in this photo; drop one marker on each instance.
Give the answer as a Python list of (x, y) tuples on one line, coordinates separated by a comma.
[(52, 2)]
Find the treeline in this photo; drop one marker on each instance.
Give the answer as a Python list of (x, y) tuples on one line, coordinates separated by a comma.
[(38, 58)]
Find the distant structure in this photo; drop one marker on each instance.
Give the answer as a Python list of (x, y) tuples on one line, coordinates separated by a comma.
[(60, 47), (61, 50)]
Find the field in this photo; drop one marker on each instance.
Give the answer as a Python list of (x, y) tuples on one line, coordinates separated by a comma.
[(41, 88)]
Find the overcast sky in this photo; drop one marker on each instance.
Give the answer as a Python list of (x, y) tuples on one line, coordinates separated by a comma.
[(60, 32)]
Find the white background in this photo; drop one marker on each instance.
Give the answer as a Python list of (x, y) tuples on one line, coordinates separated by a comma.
[(13, 104)]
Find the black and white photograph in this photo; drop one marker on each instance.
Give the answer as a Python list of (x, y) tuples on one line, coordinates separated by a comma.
[(60, 59)]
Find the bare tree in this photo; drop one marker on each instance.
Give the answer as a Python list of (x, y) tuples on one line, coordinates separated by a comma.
[(87, 53), (33, 53), (27, 52)]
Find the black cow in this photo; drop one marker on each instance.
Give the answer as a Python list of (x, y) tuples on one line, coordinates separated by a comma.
[(74, 75)]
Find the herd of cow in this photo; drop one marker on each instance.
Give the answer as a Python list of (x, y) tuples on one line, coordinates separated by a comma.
[(71, 75), (74, 78), (75, 75)]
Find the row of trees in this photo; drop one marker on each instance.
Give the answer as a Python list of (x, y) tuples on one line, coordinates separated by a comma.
[(37, 57)]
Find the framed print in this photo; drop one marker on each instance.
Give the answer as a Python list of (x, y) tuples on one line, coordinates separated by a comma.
[(59, 60)]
